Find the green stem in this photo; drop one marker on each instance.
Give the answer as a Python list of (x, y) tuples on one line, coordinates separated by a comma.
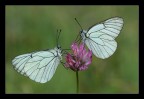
[(77, 81)]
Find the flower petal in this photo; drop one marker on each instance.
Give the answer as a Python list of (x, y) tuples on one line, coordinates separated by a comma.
[(81, 48), (79, 59), (84, 67), (75, 48)]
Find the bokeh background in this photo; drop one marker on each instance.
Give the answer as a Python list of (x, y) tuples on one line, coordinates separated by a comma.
[(33, 28)]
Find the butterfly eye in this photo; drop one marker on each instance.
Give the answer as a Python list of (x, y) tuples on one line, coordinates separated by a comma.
[(59, 47)]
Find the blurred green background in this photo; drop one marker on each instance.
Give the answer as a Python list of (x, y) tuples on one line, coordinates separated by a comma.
[(33, 28)]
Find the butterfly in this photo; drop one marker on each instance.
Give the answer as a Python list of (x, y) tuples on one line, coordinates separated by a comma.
[(100, 38), (39, 66)]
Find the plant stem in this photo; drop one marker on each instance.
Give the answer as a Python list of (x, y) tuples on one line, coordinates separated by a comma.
[(77, 81)]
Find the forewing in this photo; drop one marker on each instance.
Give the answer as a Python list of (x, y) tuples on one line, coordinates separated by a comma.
[(20, 61), (40, 66), (100, 38)]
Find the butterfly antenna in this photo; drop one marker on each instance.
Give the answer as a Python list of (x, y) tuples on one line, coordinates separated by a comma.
[(77, 38), (78, 23), (57, 40)]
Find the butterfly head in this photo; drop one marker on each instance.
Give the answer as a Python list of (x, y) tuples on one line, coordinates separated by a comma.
[(83, 34), (59, 51), (59, 47)]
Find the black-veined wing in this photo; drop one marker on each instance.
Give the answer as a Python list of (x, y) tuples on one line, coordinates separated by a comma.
[(38, 66), (100, 37)]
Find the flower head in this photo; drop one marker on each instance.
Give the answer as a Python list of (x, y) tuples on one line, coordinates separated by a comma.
[(80, 59)]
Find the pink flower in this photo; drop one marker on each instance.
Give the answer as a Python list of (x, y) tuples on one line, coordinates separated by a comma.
[(80, 59)]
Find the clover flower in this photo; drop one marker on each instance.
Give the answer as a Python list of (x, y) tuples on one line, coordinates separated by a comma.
[(79, 59)]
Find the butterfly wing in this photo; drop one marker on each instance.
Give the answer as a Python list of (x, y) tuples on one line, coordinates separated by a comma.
[(100, 37), (38, 66), (20, 61)]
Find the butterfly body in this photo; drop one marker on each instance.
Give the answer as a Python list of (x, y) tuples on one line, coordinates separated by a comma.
[(83, 35), (58, 52)]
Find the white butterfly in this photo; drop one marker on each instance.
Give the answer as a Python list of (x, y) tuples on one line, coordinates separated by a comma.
[(39, 66), (100, 38)]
